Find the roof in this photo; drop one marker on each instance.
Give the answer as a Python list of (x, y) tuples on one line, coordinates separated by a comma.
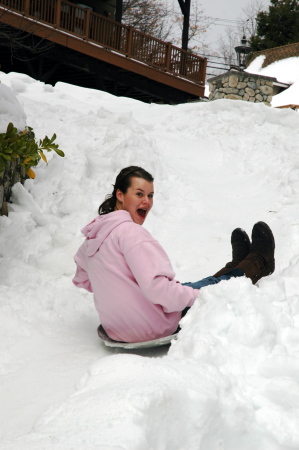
[(292, 106), (276, 53)]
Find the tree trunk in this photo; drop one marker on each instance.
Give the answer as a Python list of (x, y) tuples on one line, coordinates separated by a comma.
[(13, 173)]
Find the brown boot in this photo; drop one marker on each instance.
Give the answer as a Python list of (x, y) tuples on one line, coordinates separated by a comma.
[(240, 249), (260, 261)]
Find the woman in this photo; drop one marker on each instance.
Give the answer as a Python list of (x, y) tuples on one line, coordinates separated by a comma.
[(135, 293)]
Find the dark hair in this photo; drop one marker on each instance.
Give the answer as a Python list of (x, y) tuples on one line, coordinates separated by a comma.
[(123, 182)]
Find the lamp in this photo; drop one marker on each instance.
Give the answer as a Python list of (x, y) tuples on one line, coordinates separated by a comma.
[(242, 52)]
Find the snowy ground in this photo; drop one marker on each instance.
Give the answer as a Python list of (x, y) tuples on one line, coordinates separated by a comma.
[(231, 381)]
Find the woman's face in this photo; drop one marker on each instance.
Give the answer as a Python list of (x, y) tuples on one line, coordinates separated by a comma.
[(138, 200)]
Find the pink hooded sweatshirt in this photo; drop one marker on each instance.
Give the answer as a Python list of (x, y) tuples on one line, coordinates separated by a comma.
[(131, 277)]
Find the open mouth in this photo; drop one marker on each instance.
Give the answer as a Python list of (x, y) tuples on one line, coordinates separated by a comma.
[(141, 212)]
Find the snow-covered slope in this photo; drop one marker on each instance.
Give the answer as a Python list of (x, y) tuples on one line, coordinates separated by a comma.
[(231, 379)]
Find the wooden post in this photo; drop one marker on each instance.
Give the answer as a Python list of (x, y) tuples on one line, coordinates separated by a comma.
[(203, 71), (118, 10), (58, 13), (183, 63), (87, 24), (168, 57), (129, 42), (26, 7), (185, 33), (185, 6)]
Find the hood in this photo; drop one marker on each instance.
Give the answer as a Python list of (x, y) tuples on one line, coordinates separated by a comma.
[(99, 229)]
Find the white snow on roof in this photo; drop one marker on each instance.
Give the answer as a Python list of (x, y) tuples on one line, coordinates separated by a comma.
[(285, 71)]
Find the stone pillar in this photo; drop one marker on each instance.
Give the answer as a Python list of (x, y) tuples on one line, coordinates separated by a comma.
[(239, 85)]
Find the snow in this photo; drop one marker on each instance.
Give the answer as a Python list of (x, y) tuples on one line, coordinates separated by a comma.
[(285, 71), (10, 110), (230, 381)]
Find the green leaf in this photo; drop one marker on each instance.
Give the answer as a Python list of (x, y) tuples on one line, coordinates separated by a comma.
[(59, 152), (10, 128), (8, 150), (53, 138), (2, 166)]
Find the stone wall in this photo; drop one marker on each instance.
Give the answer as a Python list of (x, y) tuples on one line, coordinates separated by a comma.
[(238, 85)]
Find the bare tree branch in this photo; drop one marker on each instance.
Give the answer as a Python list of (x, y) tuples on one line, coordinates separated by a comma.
[(246, 26), (148, 16), (18, 41)]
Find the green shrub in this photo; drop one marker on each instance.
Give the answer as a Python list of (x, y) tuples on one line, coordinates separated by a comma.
[(24, 147)]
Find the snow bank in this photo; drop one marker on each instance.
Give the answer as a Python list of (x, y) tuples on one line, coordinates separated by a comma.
[(10, 109), (231, 379)]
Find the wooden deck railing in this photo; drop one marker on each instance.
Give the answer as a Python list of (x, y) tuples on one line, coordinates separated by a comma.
[(66, 16)]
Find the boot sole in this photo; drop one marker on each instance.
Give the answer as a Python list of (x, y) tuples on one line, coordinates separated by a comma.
[(237, 235), (240, 233), (266, 230)]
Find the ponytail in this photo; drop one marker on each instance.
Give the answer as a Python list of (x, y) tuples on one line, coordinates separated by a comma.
[(108, 205)]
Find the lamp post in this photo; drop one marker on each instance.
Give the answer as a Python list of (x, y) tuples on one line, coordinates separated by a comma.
[(242, 52)]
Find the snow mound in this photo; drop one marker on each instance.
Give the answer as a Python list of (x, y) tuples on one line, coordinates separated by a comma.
[(10, 110), (231, 379)]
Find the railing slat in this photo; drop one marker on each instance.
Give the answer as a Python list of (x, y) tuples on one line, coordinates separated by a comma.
[(129, 41), (26, 7), (87, 24), (58, 13)]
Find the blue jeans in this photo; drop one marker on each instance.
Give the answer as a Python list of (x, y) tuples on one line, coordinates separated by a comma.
[(234, 273)]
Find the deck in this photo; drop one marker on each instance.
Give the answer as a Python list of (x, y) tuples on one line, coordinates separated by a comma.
[(99, 52)]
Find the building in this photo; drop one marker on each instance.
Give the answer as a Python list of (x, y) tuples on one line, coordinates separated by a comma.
[(56, 40)]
